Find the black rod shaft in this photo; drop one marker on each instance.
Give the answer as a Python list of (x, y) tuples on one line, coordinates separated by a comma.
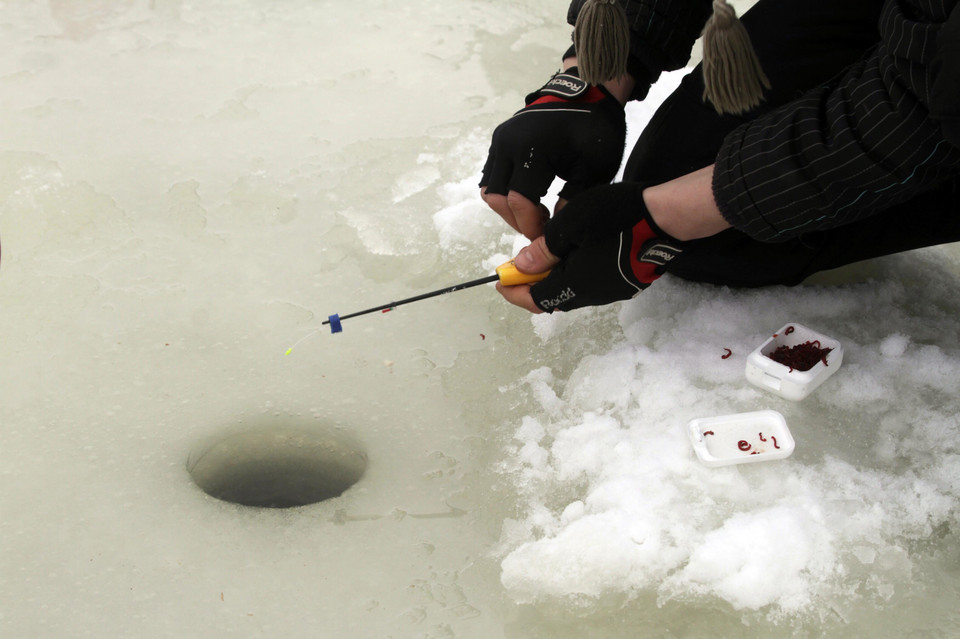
[(417, 298)]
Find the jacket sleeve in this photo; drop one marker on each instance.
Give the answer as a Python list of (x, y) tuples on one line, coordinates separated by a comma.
[(945, 87), (662, 33), (869, 139)]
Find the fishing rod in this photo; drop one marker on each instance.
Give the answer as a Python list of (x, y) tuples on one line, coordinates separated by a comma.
[(507, 274)]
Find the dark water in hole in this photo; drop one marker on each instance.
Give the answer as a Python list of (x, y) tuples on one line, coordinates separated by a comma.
[(276, 467)]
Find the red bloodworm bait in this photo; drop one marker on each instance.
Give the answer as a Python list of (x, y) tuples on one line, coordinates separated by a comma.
[(788, 330), (708, 432), (482, 336), (727, 354), (801, 357), (762, 438), (743, 444), (775, 444)]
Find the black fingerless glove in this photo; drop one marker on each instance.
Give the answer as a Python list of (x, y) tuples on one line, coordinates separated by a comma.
[(609, 247), (568, 129)]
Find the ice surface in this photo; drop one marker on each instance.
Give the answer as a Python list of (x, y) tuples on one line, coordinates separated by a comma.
[(188, 189)]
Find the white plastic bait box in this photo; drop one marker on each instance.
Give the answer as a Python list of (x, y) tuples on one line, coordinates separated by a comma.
[(787, 382), (742, 438)]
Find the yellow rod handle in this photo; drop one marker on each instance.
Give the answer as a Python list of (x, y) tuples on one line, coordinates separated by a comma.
[(510, 276)]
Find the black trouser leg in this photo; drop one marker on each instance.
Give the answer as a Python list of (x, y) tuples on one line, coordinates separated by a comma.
[(731, 258)]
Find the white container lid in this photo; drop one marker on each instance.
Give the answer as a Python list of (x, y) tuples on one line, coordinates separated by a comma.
[(742, 438), (765, 373)]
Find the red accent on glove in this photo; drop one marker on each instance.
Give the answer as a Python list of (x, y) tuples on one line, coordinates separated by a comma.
[(645, 272), (591, 96)]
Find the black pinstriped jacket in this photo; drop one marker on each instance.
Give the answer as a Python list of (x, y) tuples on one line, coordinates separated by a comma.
[(881, 133)]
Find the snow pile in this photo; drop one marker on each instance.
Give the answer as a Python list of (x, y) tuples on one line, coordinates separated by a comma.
[(616, 501)]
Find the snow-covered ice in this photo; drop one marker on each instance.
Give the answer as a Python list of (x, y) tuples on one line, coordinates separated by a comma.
[(186, 190)]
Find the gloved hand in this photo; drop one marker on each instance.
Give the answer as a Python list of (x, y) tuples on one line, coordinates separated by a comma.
[(568, 129), (609, 247)]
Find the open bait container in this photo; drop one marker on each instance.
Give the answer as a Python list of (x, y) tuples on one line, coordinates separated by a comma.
[(742, 438), (782, 380)]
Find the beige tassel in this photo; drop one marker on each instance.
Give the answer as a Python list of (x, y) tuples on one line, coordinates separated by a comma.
[(732, 77), (601, 38)]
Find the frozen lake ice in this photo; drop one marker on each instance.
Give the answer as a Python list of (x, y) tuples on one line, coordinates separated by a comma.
[(187, 190)]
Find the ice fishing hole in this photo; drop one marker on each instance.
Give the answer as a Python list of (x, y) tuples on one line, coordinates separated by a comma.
[(274, 466)]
